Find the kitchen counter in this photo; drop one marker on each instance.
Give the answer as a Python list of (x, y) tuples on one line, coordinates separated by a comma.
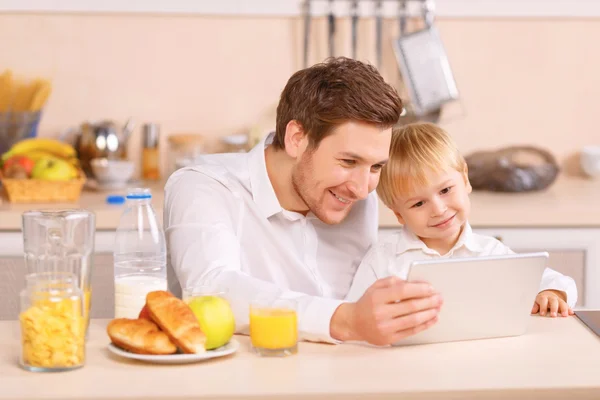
[(107, 215), (557, 359), (569, 203)]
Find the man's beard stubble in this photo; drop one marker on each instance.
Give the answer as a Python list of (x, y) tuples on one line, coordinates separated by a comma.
[(303, 186)]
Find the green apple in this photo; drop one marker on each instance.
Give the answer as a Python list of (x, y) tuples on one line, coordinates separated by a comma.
[(216, 319), (53, 169)]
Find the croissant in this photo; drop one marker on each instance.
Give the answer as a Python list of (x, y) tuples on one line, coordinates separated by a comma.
[(177, 320), (139, 336)]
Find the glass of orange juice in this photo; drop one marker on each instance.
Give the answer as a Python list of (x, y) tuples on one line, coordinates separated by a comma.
[(274, 326)]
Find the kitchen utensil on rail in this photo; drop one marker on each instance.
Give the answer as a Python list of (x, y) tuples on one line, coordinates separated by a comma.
[(331, 29), (424, 64), (512, 169), (378, 31), (354, 17), (307, 18)]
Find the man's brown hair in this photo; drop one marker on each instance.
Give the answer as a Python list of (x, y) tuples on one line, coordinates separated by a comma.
[(331, 93)]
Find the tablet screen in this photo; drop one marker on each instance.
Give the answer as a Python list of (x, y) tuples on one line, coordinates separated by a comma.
[(591, 318)]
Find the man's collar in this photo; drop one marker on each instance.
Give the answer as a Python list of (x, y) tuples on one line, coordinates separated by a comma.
[(262, 190), (407, 240)]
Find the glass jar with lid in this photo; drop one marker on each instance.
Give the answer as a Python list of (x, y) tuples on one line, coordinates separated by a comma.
[(52, 323), (184, 150)]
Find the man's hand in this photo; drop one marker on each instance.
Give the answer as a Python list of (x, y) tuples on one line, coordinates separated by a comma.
[(552, 300), (390, 310)]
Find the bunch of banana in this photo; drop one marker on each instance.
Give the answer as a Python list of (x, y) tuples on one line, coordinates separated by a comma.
[(35, 148), (44, 151)]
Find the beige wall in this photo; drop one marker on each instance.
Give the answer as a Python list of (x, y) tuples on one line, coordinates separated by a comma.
[(521, 80)]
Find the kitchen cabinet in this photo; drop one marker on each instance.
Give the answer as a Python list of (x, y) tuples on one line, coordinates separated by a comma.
[(13, 270), (573, 251)]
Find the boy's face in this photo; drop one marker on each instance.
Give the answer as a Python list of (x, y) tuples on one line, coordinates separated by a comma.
[(343, 169), (437, 211)]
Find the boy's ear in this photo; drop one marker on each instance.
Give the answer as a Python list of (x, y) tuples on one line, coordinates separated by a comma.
[(466, 178), (296, 139), (399, 217)]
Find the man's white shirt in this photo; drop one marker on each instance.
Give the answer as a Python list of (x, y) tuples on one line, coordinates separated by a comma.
[(394, 254), (226, 229)]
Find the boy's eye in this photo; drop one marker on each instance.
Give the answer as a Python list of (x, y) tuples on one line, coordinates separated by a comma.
[(376, 167), (419, 204), (446, 190), (349, 162)]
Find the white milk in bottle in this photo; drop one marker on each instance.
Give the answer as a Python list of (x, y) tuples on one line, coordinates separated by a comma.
[(140, 255)]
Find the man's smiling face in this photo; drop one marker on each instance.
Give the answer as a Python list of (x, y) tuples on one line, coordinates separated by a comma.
[(343, 169)]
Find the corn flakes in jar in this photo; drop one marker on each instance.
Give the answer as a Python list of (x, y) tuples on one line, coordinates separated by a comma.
[(52, 328)]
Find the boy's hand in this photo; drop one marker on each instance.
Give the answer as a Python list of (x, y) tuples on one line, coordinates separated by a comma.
[(553, 301)]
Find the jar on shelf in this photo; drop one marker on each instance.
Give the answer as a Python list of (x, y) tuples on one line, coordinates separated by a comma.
[(150, 152), (184, 150), (52, 323)]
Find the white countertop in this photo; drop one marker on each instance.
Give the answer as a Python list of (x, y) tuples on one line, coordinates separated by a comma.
[(568, 203), (557, 359)]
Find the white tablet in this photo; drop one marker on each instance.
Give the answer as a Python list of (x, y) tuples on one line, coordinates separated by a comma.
[(484, 297)]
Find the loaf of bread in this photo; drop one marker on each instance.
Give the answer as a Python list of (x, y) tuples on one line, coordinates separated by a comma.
[(139, 336), (177, 320)]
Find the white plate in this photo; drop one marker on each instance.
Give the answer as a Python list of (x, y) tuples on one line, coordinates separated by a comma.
[(229, 348)]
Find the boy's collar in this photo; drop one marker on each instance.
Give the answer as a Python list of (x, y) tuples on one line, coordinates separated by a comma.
[(407, 240)]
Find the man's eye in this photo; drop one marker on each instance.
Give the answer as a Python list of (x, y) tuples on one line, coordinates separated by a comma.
[(376, 167), (419, 204), (349, 162), (446, 190)]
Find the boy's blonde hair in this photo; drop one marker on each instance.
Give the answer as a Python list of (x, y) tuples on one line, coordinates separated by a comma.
[(417, 150)]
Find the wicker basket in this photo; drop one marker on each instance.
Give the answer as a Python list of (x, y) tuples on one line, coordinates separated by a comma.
[(42, 191)]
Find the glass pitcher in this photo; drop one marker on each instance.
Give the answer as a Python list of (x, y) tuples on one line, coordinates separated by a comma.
[(61, 241)]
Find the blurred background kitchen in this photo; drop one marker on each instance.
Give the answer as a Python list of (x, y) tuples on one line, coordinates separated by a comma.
[(159, 82), (526, 71)]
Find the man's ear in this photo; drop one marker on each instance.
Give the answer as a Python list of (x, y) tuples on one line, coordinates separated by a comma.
[(399, 217), (466, 178), (296, 139)]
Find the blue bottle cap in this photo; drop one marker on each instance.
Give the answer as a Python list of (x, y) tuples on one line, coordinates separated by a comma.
[(139, 193), (115, 199)]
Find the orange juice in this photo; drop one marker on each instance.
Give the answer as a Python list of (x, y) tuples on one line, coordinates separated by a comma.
[(273, 328)]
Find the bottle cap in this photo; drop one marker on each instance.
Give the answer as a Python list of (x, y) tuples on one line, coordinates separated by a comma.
[(115, 199), (139, 193)]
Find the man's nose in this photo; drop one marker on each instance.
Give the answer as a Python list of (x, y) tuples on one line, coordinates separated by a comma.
[(360, 183)]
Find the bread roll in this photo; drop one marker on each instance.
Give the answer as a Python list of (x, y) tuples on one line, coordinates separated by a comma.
[(177, 320), (139, 336)]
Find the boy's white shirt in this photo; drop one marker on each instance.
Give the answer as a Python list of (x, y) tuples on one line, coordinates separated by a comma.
[(406, 247)]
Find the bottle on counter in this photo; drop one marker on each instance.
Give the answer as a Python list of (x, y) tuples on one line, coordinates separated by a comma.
[(150, 152), (140, 255)]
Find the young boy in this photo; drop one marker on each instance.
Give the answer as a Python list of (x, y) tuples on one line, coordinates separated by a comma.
[(426, 184)]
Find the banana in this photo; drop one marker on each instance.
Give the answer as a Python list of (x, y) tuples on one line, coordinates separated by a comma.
[(56, 147), (36, 155)]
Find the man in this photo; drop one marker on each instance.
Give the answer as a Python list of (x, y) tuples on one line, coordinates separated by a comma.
[(296, 214)]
